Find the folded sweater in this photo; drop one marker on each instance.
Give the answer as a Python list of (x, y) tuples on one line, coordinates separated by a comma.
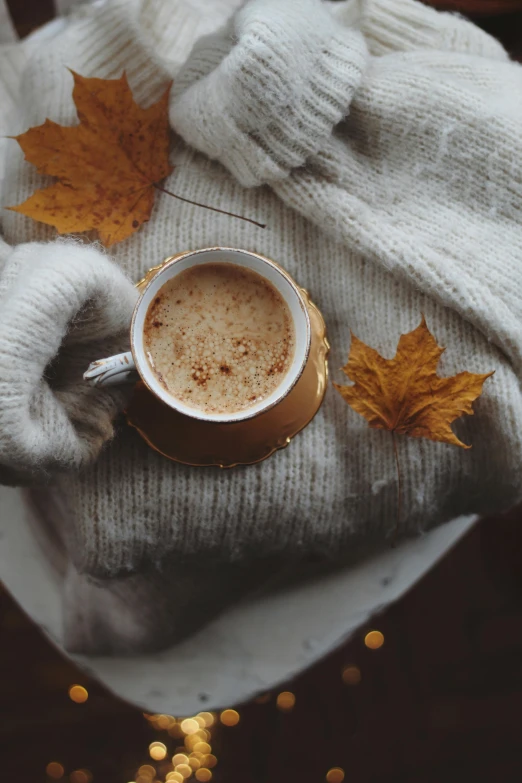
[(380, 143)]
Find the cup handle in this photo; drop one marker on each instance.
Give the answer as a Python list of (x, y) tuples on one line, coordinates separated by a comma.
[(111, 371)]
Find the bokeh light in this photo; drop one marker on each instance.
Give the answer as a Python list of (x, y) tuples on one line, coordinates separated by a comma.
[(189, 726), (374, 639), (165, 721), (351, 675), (285, 701), (80, 776), (202, 747), (157, 751), (209, 761), (55, 770), (147, 771), (208, 718), (192, 757), (78, 694), (228, 718), (335, 775)]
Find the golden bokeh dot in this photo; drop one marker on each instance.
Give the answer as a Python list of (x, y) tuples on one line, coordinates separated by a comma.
[(189, 726), (194, 762), (144, 778), (180, 758), (184, 770), (374, 639), (208, 718), (200, 721), (55, 770), (264, 698), (147, 771), (210, 761), (191, 741), (229, 718), (351, 675), (203, 734), (203, 775), (78, 694), (157, 751), (202, 747), (175, 777), (285, 701), (80, 776), (165, 721), (335, 775)]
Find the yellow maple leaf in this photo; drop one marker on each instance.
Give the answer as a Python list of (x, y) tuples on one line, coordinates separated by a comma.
[(107, 167), (405, 395)]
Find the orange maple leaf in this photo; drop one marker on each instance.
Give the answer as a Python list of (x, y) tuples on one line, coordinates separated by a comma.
[(405, 395), (107, 167)]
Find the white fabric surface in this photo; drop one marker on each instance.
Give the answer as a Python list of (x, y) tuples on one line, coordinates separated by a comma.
[(247, 650)]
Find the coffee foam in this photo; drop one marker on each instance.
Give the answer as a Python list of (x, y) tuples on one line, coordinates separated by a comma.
[(219, 337)]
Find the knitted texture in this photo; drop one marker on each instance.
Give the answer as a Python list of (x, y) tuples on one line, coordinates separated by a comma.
[(58, 304), (280, 88), (390, 163), (405, 26)]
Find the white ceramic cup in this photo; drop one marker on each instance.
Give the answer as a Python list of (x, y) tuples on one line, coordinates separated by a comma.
[(126, 366)]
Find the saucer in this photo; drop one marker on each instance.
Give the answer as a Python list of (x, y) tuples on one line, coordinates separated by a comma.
[(204, 444)]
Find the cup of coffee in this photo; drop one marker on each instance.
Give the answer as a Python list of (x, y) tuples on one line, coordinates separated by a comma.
[(218, 334)]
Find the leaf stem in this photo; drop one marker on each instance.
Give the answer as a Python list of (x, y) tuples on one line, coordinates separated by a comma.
[(399, 489), (206, 206)]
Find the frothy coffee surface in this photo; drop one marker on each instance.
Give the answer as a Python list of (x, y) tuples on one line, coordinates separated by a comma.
[(219, 337)]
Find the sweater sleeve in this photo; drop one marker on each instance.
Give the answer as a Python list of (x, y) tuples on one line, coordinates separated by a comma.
[(62, 305), (264, 93), (407, 25)]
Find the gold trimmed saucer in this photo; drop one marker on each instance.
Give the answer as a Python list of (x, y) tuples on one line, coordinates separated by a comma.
[(204, 444)]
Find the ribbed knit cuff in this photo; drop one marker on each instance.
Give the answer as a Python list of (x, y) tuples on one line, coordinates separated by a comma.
[(407, 25), (262, 94)]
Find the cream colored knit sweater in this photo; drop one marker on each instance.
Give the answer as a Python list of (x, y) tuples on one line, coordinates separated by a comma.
[(381, 144)]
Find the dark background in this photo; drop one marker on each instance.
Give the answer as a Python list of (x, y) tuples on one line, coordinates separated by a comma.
[(439, 702)]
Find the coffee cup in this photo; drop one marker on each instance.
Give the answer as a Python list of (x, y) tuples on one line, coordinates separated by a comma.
[(218, 334)]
